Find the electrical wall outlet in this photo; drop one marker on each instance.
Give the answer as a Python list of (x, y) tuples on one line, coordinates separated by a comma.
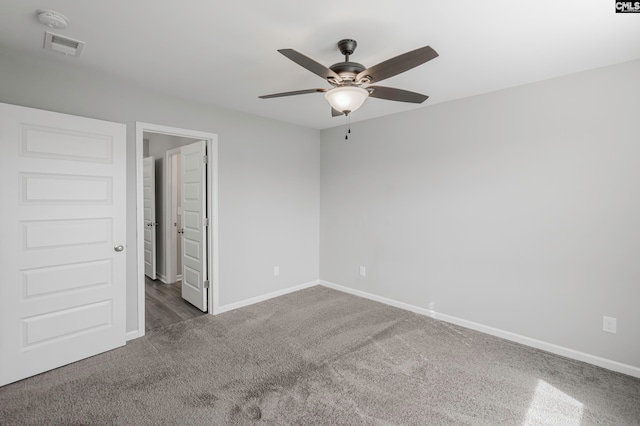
[(276, 271), (363, 271), (609, 325)]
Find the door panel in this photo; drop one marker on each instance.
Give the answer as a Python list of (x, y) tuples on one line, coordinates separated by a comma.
[(44, 281), (62, 292), (62, 233), (54, 189), (194, 213), (149, 196), (64, 324), (65, 144)]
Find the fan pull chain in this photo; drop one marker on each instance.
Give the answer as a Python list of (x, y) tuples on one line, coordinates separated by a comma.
[(348, 126)]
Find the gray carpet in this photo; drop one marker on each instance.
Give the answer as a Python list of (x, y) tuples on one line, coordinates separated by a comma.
[(321, 357)]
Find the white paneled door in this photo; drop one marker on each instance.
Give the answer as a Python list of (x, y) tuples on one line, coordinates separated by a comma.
[(194, 224), (62, 239), (150, 224)]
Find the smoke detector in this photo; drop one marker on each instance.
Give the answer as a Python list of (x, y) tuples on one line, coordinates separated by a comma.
[(52, 19)]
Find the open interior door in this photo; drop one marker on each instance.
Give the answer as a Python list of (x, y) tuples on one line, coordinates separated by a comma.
[(150, 224), (62, 239), (194, 224)]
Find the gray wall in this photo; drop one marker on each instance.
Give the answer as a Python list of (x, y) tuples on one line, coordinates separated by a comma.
[(268, 172), (518, 209)]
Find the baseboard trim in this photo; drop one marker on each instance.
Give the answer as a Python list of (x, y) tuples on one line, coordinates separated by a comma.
[(162, 278), (507, 335), (262, 298), (130, 335)]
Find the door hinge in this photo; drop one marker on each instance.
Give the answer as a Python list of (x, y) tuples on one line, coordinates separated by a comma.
[(205, 159), (206, 221), (206, 284)]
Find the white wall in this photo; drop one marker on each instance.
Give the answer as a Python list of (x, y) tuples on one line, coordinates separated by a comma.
[(518, 209), (268, 172)]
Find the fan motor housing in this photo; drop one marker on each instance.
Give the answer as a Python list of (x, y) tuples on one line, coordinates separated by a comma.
[(347, 70)]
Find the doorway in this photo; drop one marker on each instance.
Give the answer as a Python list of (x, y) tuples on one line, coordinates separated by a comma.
[(166, 149)]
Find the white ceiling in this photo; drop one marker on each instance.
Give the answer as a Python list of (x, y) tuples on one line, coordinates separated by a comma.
[(225, 53)]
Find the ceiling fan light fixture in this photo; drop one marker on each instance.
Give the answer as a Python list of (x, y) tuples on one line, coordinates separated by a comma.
[(346, 99)]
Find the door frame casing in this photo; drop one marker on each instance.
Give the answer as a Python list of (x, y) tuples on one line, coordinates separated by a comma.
[(212, 209)]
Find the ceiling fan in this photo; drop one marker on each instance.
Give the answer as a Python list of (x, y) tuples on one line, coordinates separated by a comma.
[(351, 80)]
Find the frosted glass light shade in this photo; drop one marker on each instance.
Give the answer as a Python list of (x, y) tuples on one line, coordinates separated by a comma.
[(347, 98)]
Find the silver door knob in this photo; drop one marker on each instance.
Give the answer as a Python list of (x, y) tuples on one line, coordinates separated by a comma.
[(181, 231), (118, 247)]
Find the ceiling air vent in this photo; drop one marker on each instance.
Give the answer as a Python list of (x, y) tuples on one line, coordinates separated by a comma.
[(61, 44)]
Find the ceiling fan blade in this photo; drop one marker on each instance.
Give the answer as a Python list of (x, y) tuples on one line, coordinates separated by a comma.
[(310, 64), (399, 64), (336, 113), (391, 94), (296, 92)]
